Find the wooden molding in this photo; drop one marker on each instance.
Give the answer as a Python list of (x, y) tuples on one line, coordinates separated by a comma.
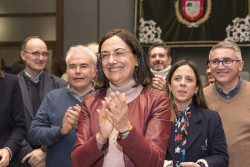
[(28, 14)]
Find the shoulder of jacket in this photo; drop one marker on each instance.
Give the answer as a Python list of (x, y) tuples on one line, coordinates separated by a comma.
[(55, 78), (153, 92), (208, 113), (95, 95)]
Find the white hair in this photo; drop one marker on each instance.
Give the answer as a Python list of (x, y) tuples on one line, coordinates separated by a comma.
[(227, 44), (77, 48)]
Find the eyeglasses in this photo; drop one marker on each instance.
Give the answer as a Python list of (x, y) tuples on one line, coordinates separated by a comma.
[(37, 54), (227, 62), (117, 54)]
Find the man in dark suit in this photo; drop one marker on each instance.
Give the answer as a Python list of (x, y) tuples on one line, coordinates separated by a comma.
[(35, 83), (12, 121), (160, 64)]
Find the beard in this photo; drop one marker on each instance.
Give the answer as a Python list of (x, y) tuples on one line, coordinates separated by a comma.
[(158, 65)]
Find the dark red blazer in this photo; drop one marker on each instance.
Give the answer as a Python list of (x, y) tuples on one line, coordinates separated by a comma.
[(145, 146)]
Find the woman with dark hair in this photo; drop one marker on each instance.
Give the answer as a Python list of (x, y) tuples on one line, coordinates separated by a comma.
[(127, 123), (197, 138), (12, 121)]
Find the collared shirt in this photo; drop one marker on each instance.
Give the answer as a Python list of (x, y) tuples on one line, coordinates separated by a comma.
[(232, 93), (37, 79), (76, 96)]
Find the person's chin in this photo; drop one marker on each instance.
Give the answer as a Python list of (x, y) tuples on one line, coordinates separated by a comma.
[(158, 69), (40, 66), (222, 79)]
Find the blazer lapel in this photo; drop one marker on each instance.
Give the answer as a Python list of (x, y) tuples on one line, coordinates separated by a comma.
[(171, 149), (25, 94), (195, 128), (47, 84)]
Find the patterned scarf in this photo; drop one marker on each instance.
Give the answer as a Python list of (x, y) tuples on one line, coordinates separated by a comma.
[(181, 127)]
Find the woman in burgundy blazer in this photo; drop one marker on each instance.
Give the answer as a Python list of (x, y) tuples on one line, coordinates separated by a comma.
[(127, 123)]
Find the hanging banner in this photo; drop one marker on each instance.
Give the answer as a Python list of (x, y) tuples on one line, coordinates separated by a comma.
[(192, 22)]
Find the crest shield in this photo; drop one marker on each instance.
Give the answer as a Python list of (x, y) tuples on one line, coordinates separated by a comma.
[(192, 10)]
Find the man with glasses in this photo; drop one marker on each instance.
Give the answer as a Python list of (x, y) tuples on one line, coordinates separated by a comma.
[(229, 96), (160, 64), (35, 83)]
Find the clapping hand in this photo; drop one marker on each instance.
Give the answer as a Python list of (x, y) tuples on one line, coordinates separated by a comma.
[(105, 124), (118, 111), (159, 83), (70, 119)]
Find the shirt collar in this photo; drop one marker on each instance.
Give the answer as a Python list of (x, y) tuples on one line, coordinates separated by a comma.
[(232, 93), (37, 79), (76, 96)]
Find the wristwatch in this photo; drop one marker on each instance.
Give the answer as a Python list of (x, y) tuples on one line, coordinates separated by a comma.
[(201, 164), (125, 134)]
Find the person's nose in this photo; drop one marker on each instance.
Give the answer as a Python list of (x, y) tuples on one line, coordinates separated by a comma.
[(157, 57), (112, 59), (221, 65), (41, 57), (182, 82), (208, 71), (78, 70)]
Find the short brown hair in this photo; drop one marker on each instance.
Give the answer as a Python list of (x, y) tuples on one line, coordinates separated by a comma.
[(160, 45)]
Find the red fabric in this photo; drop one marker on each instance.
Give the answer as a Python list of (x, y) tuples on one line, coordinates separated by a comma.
[(146, 144)]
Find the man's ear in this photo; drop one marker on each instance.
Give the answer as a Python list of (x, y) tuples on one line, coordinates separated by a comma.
[(22, 54), (170, 59), (241, 65)]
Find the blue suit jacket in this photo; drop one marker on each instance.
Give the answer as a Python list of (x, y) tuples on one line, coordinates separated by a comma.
[(206, 139)]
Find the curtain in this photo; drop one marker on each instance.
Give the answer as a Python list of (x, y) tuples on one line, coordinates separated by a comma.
[(192, 22)]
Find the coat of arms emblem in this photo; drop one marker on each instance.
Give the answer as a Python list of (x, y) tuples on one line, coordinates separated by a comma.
[(193, 12), (192, 9)]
